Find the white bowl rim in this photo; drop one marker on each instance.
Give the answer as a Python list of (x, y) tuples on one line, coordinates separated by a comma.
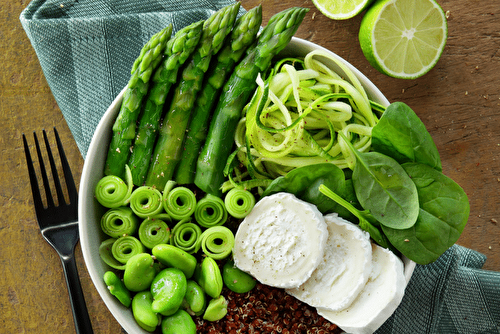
[(88, 181)]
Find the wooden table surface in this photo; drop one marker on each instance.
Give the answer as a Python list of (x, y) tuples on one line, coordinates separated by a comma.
[(458, 100)]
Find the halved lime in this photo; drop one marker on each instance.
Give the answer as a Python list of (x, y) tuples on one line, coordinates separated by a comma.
[(341, 9), (403, 38)]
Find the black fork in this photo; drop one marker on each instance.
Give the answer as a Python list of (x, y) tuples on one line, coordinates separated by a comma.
[(59, 223)]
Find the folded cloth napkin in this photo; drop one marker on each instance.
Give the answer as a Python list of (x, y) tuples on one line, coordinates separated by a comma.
[(86, 49)]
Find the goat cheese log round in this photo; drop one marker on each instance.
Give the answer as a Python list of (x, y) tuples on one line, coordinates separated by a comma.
[(281, 241), (344, 271)]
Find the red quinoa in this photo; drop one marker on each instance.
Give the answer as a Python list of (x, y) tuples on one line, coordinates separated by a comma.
[(266, 310)]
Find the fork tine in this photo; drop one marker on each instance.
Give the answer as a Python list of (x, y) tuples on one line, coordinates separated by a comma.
[(37, 198), (48, 194), (70, 183), (55, 176)]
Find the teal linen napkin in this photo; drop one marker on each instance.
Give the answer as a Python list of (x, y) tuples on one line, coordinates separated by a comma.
[(86, 49)]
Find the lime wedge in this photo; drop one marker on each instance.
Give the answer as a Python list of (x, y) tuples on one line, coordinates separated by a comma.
[(403, 38), (341, 9)]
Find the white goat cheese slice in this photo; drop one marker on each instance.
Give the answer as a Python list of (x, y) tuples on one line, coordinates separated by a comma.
[(344, 270), (281, 241), (378, 300)]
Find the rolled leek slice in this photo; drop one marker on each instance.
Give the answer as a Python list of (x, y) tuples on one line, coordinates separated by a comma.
[(186, 235), (239, 202), (217, 242), (107, 256), (112, 191), (210, 211), (126, 247), (146, 201), (153, 231), (119, 222), (178, 202)]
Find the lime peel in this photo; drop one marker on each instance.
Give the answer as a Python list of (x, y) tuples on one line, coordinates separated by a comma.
[(341, 9)]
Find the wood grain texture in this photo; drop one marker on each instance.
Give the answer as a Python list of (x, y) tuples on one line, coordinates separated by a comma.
[(458, 100)]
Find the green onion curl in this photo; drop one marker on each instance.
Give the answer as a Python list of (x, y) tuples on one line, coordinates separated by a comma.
[(126, 247), (107, 256), (113, 192), (178, 202), (154, 231), (217, 242), (146, 201), (185, 235), (210, 211), (119, 222), (239, 202)]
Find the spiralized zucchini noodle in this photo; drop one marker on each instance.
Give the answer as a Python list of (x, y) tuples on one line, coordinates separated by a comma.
[(217, 242), (112, 191), (186, 235), (126, 247), (239, 202), (178, 202), (154, 231), (107, 256), (146, 201), (210, 211), (295, 116), (119, 222)]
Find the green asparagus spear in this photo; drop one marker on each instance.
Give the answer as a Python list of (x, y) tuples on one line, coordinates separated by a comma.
[(124, 126), (236, 93), (178, 49), (172, 132), (243, 35)]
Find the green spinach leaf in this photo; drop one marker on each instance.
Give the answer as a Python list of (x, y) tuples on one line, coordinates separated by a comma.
[(401, 135), (444, 211)]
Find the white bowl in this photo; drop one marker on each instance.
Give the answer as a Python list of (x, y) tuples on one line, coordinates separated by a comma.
[(90, 211)]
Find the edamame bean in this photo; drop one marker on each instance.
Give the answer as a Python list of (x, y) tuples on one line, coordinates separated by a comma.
[(179, 322), (139, 272), (195, 300), (237, 280), (210, 278), (172, 256), (143, 314), (216, 309), (117, 288), (168, 289)]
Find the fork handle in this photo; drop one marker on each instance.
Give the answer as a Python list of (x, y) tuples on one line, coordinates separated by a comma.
[(77, 299)]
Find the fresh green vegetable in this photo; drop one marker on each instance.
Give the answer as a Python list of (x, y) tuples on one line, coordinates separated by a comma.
[(236, 93), (177, 51), (167, 151), (216, 309), (154, 231), (112, 191), (146, 201), (117, 288), (239, 202), (106, 254), (186, 235), (139, 272), (384, 189), (243, 35), (142, 312), (119, 222), (444, 211), (216, 242), (179, 322), (401, 135), (195, 299), (304, 183), (126, 247), (168, 289), (178, 202), (124, 127), (210, 277), (210, 211), (237, 280), (175, 257)]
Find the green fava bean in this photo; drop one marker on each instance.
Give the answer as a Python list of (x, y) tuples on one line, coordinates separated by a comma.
[(139, 272), (195, 299), (172, 256), (216, 309), (117, 288), (168, 289), (143, 314), (178, 323), (237, 280), (210, 277)]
